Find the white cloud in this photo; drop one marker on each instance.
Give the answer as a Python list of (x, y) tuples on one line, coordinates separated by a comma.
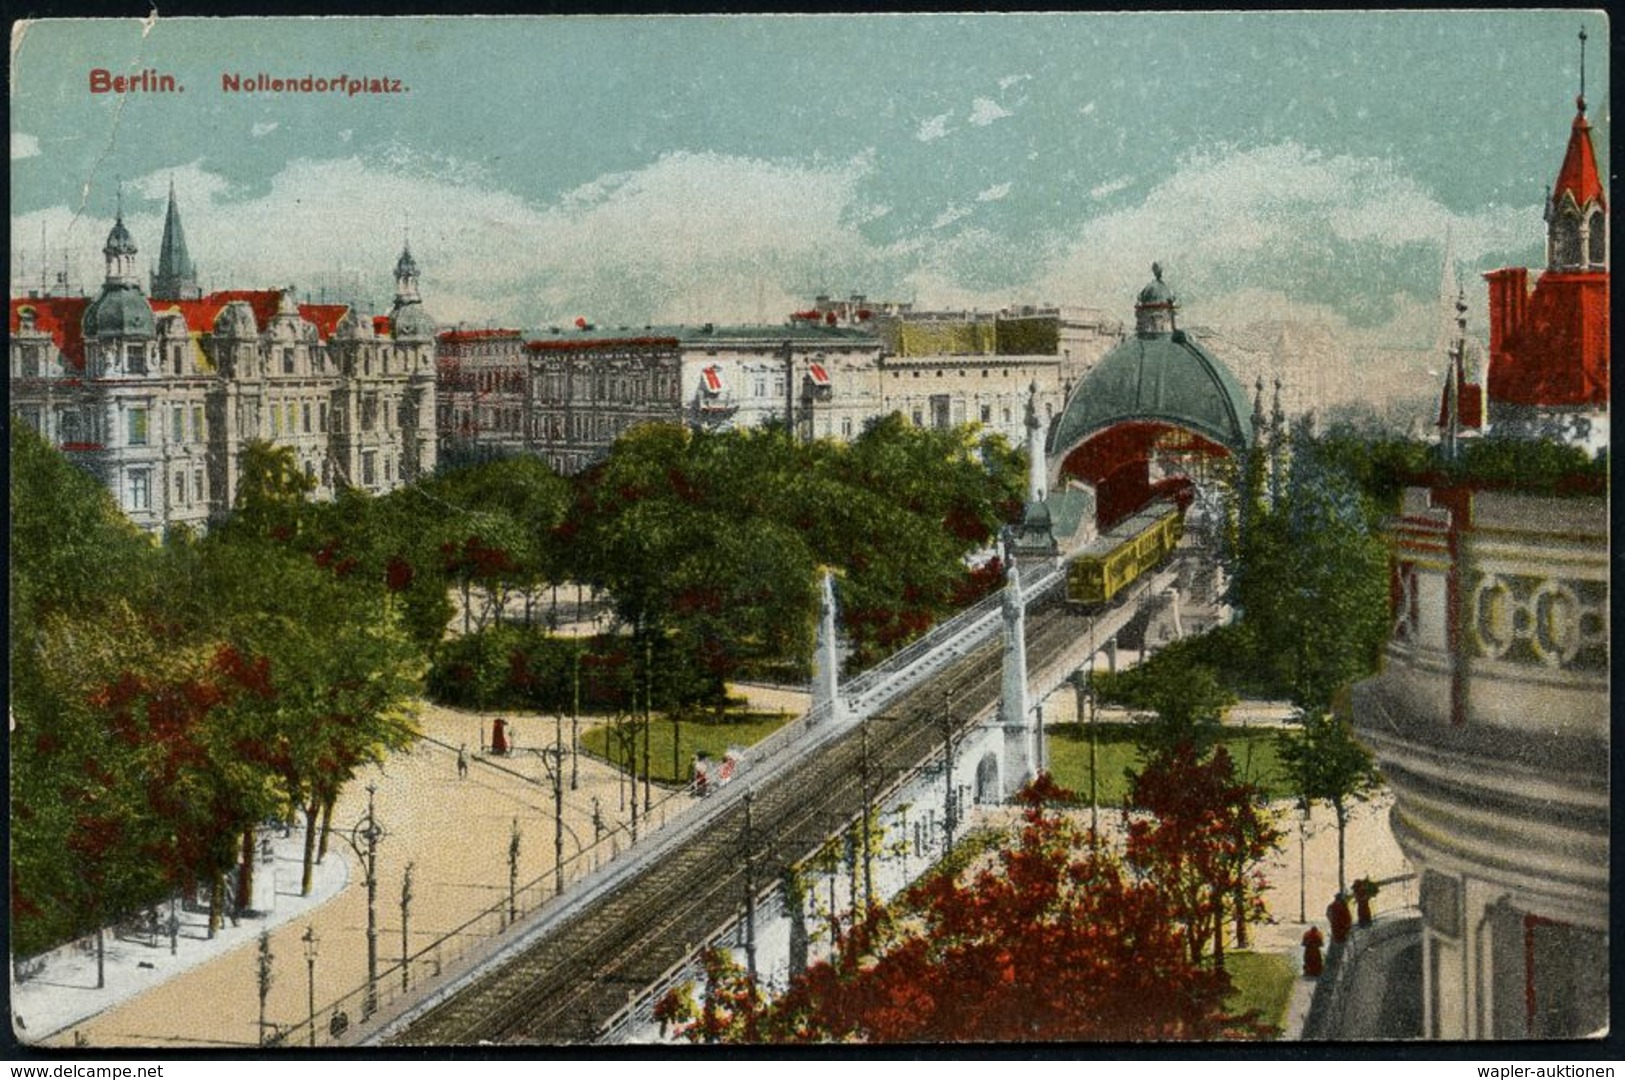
[(1246, 236), (934, 128), (687, 238), (1087, 109), (1110, 187), (262, 129), (983, 111), (23, 146), (1010, 80), (1269, 219)]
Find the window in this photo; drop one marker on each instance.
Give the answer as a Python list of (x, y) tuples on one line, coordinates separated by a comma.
[(276, 420), (389, 468), (138, 427), (30, 361), (140, 489), (321, 416), (369, 467), (1007, 414), (918, 420), (305, 415), (179, 355), (287, 361), (197, 485), (761, 387), (369, 412), (198, 431), (987, 411), (846, 427), (1598, 239), (177, 424), (180, 489), (310, 471), (135, 359)]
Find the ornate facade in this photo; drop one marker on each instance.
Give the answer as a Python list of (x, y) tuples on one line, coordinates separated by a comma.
[(1490, 718), (157, 397)]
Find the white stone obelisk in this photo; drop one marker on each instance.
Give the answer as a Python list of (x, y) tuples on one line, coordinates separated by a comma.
[(826, 655), (1015, 709)]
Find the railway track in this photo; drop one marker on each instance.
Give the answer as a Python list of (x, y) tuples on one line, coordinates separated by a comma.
[(565, 987)]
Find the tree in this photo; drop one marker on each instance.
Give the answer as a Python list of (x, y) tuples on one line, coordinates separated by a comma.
[(272, 491), (338, 669), (1057, 942), (1313, 582), (1199, 833), (1327, 764), (1182, 704)]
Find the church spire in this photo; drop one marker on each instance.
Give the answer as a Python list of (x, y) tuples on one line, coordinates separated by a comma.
[(176, 278), (1575, 213)]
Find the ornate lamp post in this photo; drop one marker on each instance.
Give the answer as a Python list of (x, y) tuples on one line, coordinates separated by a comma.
[(363, 840)]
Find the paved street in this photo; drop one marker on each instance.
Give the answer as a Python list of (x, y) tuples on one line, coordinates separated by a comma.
[(455, 831)]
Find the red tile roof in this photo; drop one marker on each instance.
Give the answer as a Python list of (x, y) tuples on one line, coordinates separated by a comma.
[(201, 314), (60, 316), (63, 316), (478, 335), (571, 344)]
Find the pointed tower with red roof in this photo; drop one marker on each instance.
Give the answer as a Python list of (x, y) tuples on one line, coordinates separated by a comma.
[(1549, 356)]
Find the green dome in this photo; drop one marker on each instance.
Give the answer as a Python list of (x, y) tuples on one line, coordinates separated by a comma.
[(119, 240), (411, 322), (1157, 377), (120, 311)]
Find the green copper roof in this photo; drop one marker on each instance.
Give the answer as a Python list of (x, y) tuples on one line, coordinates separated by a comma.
[(118, 311), (1161, 377)]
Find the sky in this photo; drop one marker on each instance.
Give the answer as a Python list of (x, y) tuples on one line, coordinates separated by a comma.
[(1301, 166)]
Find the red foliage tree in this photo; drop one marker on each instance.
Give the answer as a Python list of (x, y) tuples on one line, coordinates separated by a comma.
[(1058, 941), (1198, 833)]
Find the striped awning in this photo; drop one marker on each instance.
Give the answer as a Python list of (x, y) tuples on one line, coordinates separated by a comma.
[(820, 377)]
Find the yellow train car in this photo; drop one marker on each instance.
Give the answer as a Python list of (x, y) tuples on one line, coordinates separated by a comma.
[(1118, 556)]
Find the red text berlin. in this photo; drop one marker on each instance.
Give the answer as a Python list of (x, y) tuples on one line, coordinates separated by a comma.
[(149, 81), (310, 84)]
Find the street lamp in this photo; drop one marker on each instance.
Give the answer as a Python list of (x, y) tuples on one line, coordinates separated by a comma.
[(949, 814), (363, 840), (310, 941)]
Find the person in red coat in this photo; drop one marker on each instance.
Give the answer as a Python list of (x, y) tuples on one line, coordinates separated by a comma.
[(1312, 941), (1341, 918), (499, 736)]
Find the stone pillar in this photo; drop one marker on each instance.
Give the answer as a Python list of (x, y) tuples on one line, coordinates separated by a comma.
[(1111, 656), (1015, 708), (826, 657)]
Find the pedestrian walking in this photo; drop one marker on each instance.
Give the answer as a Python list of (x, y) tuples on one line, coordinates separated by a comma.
[(1312, 962), (1341, 918), (499, 737), (462, 761)]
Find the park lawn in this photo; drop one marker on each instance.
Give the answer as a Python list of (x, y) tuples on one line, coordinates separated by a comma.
[(1261, 981), (1252, 749), (708, 734)]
